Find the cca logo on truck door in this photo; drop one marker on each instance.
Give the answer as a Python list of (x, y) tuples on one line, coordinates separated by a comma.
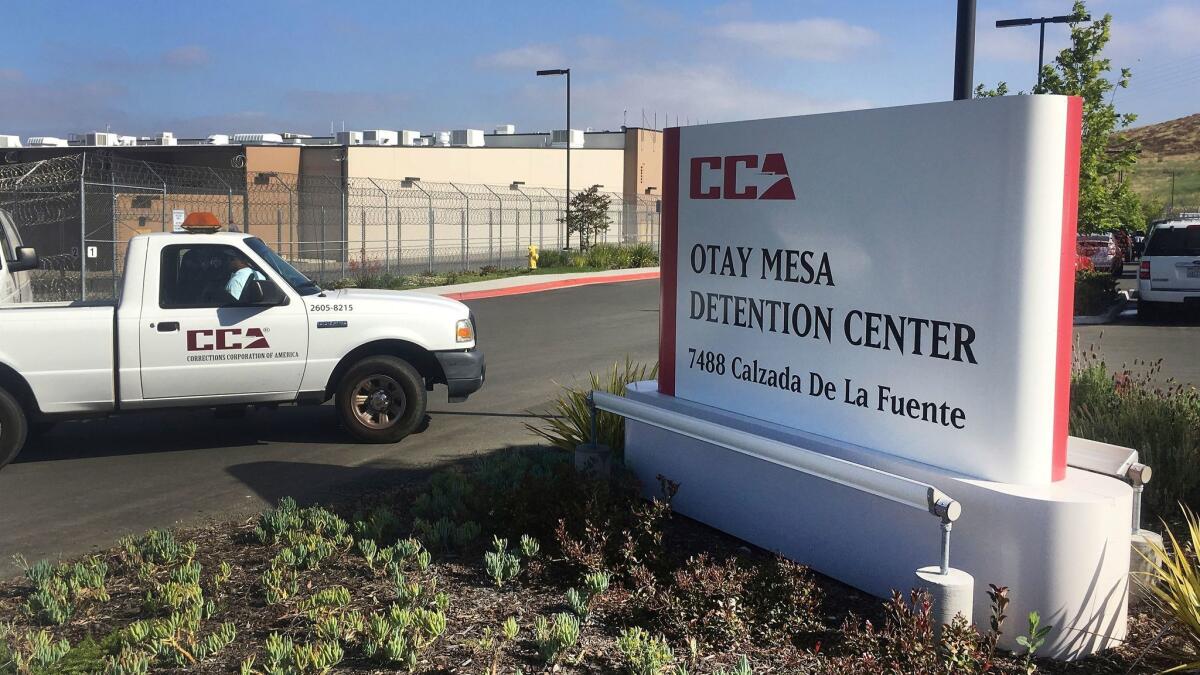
[(209, 339)]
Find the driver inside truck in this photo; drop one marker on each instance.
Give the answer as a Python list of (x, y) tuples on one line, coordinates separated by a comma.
[(240, 273)]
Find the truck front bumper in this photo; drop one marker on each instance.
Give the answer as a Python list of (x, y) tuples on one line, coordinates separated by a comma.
[(464, 370)]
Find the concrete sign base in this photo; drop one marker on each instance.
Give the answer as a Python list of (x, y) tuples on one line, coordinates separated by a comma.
[(1062, 548)]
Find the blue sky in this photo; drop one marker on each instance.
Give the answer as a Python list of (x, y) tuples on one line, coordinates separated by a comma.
[(140, 66)]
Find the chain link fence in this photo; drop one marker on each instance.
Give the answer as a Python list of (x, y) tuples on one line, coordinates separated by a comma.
[(80, 212)]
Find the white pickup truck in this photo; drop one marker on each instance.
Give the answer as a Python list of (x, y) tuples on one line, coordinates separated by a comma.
[(220, 320)]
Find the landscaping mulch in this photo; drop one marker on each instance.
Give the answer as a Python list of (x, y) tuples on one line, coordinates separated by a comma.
[(476, 605)]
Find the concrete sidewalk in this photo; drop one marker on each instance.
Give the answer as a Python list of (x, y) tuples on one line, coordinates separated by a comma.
[(539, 282)]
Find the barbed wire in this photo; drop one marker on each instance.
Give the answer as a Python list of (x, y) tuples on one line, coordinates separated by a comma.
[(80, 210)]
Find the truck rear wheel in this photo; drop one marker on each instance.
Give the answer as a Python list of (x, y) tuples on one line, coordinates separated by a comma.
[(381, 399), (13, 428)]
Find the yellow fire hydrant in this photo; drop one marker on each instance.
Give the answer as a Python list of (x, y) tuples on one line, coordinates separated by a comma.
[(533, 257)]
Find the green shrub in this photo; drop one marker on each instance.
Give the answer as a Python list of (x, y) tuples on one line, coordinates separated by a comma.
[(501, 565), (643, 654), (555, 638), (1095, 292), (287, 657), (568, 423), (1160, 421), (643, 255), (58, 592)]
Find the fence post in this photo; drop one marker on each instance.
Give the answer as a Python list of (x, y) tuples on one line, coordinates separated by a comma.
[(429, 197), (492, 249), (466, 224), (557, 231), (387, 243), (83, 228), (345, 232)]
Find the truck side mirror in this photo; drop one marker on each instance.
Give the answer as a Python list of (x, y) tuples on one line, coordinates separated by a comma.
[(27, 259), (263, 292)]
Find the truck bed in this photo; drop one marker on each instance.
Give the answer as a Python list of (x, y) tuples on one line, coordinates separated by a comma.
[(64, 351)]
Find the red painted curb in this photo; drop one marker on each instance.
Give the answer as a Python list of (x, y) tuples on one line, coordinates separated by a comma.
[(550, 286)]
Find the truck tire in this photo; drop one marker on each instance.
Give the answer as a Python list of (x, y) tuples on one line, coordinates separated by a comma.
[(381, 399), (13, 428)]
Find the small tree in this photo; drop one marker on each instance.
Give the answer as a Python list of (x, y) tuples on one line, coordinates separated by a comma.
[(1105, 200), (589, 216)]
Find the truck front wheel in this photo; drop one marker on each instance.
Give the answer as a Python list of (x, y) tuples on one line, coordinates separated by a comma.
[(13, 428), (381, 399)]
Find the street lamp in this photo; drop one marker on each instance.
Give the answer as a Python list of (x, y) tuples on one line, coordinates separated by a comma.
[(1041, 23), (567, 72)]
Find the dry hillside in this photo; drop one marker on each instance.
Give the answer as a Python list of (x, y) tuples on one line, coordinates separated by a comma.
[(1167, 174), (1175, 139)]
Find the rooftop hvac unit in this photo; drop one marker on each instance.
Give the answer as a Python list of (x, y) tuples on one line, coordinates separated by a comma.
[(10, 141), (409, 137), (126, 141), (166, 138), (289, 136), (218, 139), (257, 138), (102, 139), (422, 141), (558, 138), (506, 129), (467, 138), (441, 139), (379, 137), (349, 138), (47, 142)]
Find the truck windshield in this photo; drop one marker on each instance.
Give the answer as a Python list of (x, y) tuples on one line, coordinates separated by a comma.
[(295, 279)]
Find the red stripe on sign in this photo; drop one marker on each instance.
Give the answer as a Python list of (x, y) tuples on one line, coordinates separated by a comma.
[(669, 265), (1066, 288)]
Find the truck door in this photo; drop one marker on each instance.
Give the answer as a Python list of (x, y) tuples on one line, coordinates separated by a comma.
[(211, 327), (14, 287)]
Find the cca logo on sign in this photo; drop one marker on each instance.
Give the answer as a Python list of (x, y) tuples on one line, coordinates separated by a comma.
[(729, 168), (209, 339)]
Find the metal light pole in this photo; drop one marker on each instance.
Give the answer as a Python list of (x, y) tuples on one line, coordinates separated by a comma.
[(964, 50), (1041, 23), (567, 72)]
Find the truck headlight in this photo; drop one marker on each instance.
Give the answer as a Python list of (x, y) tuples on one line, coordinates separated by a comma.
[(464, 331)]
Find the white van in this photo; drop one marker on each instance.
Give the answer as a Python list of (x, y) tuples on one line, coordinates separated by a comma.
[(1169, 273), (15, 262)]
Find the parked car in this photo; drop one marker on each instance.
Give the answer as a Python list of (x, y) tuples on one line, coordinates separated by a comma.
[(220, 320), (1103, 250), (16, 260), (1169, 273)]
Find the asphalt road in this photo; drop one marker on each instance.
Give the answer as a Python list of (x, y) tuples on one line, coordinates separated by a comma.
[(1175, 339), (86, 484)]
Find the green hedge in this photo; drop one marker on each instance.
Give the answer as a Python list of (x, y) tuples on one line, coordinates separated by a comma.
[(1094, 292)]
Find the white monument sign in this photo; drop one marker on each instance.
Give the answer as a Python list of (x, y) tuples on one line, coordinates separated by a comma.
[(900, 279)]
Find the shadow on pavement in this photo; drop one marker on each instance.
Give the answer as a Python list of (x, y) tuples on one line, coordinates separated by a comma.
[(182, 430), (309, 482)]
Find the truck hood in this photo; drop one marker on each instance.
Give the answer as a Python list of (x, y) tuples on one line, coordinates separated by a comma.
[(372, 299)]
